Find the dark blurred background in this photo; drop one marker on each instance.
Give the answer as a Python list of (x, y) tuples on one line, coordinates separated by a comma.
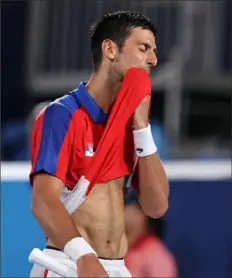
[(45, 53)]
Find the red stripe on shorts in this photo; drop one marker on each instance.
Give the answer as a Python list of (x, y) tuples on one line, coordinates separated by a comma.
[(45, 273)]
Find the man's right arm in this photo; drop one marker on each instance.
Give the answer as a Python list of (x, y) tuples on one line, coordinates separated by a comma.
[(57, 224), (50, 212), (51, 149)]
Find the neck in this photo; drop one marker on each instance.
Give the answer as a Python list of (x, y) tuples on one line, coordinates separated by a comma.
[(103, 87)]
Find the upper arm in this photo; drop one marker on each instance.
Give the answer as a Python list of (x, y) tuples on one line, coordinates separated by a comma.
[(45, 185), (51, 142)]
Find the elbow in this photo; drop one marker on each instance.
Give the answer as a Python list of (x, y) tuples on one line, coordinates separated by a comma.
[(160, 211), (156, 209)]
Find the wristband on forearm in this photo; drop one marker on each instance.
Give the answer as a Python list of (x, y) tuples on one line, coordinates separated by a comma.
[(78, 247), (143, 141)]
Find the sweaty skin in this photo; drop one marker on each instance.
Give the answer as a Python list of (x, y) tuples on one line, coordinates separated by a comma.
[(100, 219)]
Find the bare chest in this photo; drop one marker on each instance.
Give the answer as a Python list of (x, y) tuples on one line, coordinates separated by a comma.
[(100, 218), (103, 208)]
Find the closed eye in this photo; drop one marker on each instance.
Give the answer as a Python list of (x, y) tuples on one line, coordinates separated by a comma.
[(143, 49), (145, 46)]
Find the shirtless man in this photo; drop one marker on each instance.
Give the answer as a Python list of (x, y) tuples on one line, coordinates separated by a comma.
[(93, 237)]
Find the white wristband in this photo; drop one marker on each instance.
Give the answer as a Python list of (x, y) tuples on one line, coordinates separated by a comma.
[(144, 143), (78, 247)]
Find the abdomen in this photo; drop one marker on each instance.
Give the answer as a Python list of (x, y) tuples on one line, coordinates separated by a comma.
[(100, 219)]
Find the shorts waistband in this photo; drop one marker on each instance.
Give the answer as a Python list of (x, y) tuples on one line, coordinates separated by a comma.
[(101, 258)]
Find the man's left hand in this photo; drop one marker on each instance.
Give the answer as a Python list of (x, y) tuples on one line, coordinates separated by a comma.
[(141, 115)]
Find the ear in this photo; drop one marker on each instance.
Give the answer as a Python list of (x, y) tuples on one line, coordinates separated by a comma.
[(109, 49)]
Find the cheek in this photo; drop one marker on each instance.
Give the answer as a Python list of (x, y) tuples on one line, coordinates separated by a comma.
[(136, 57), (128, 59)]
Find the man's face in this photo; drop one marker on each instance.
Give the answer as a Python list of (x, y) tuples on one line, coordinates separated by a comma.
[(139, 51)]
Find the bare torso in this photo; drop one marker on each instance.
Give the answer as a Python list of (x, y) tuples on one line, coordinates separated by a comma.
[(100, 219)]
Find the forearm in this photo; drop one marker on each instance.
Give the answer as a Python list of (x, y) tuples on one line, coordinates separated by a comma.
[(153, 185), (153, 182), (54, 220)]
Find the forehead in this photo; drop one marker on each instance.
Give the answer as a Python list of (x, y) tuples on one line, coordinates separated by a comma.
[(139, 35)]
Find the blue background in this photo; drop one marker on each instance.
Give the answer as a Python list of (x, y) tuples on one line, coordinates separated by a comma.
[(198, 228)]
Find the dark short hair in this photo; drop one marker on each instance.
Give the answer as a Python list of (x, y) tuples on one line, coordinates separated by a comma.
[(116, 27)]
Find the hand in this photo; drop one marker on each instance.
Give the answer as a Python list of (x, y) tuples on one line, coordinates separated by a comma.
[(141, 115), (89, 266)]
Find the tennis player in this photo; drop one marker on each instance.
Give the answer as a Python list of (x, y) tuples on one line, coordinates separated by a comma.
[(65, 136)]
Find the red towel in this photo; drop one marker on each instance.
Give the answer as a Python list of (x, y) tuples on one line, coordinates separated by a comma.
[(112, 146)]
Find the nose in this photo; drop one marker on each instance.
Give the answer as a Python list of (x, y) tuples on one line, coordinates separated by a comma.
[(152, 60)]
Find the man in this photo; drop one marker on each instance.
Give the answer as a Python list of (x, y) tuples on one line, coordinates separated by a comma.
[(147, 255), (64, 139)]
